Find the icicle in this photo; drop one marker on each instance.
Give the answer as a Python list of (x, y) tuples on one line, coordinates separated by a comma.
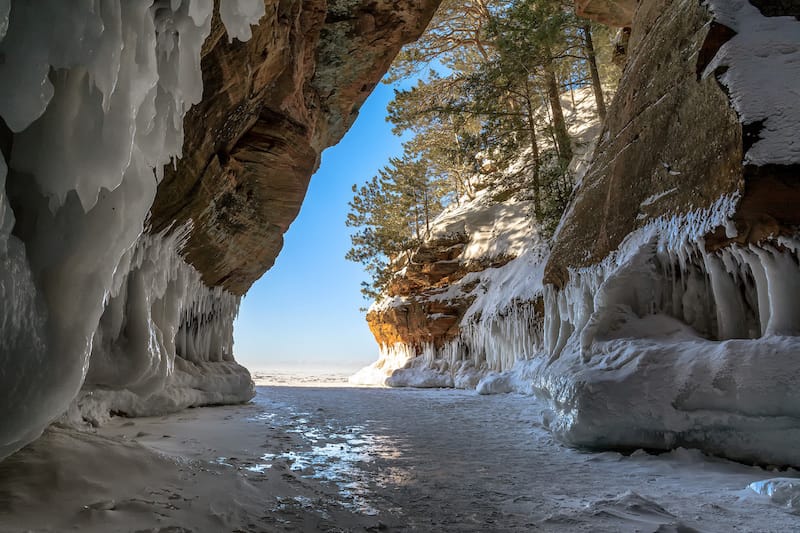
[(239, 15)]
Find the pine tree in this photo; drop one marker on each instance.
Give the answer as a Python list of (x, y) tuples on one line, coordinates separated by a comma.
[(392, 213)]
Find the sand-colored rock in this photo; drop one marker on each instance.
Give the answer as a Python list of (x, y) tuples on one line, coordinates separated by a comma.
[(670, 135), (617, 13), (270, 106), (417, 316)]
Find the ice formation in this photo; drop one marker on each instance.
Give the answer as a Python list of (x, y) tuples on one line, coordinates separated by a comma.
[(239, 15), (663, 344), (92, 97), (780, 491), (165, 340)]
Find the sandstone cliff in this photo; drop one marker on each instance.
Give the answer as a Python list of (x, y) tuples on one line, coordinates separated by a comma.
[(668, 312), (481, 264), (270, 106)]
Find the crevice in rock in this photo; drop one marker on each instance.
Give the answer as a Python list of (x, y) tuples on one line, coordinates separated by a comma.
[(718, 34), (778, 8)]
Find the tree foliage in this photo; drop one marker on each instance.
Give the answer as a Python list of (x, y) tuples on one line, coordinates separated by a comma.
[(392, 213), (490, 75)]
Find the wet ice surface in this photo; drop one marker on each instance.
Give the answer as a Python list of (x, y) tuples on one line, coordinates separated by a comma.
[(445, 460)]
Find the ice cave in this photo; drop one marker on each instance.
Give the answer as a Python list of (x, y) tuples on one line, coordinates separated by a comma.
[(155, 152)]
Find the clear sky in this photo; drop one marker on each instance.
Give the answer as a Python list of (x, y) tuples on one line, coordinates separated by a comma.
[(304, 312)]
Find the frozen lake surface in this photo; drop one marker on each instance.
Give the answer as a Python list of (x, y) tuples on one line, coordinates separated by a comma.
[(447, 460), (371, 459)]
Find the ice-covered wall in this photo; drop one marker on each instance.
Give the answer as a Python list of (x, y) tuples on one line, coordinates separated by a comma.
[(669, 344), (165, 339), (92, 99), (686, 333)]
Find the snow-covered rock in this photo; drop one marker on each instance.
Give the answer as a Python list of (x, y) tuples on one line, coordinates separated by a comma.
[(469, 300)]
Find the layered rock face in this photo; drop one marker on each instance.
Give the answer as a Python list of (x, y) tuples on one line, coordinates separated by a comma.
[(270, 106), (469, 300), (156, 152), (669, 294)]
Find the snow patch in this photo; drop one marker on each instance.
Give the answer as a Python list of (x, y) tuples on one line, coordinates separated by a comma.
[(764, 48)]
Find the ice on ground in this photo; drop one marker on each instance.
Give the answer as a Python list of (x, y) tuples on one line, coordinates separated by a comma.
[(780, 491), (320, 459)]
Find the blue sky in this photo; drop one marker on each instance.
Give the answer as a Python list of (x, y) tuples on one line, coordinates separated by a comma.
[(304, 313)]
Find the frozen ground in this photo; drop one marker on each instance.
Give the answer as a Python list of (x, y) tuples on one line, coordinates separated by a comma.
[(350, 459)]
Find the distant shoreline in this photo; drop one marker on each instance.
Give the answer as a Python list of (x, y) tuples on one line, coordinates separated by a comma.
[(287, 378)]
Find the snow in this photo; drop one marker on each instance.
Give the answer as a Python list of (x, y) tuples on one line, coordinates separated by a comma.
[(94, 93), (494, 229), (764, 48), (650, 200), (239, 15)]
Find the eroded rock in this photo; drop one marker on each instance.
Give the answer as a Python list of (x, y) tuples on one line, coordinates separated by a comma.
[(270, 106)]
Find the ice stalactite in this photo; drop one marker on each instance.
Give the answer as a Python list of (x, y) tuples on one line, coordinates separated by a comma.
[(165, 340), (738, 292), (667, 343), (158, 309), (492, 342), (390, 359), (92, 98)]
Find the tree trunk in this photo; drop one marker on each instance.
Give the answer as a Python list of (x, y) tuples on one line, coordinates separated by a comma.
[(559, 124), (416, 216), (592, 60), (427, 212), (537, 186)]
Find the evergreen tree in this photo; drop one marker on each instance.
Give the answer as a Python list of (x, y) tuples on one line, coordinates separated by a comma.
[(392, 213)]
